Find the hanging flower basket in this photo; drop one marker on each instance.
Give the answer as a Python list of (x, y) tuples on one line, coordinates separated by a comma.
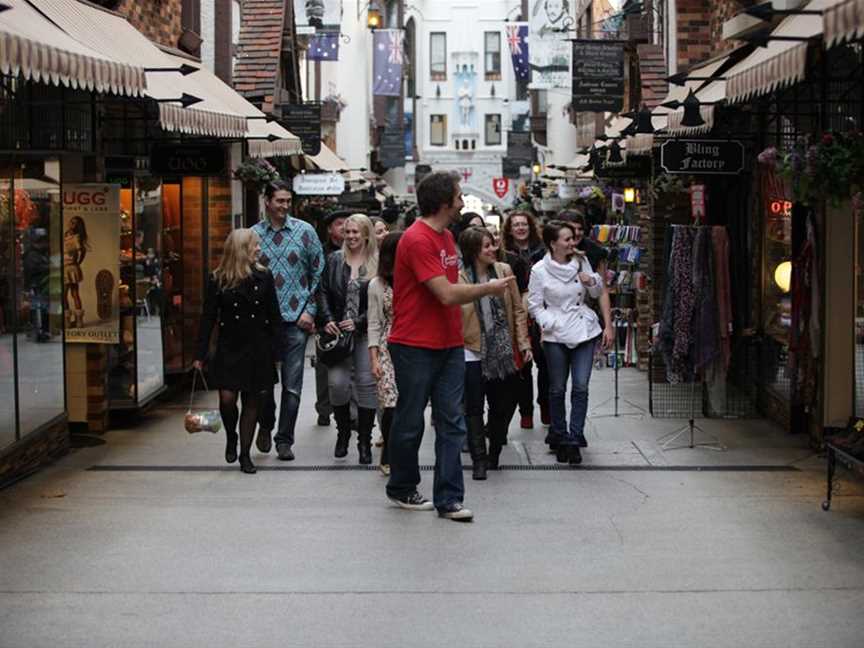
[(256, 173)]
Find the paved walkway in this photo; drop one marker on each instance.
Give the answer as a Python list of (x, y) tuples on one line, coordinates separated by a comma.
[(148, 540)]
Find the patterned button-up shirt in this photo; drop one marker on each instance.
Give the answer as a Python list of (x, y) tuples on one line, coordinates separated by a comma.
[(293, 254)]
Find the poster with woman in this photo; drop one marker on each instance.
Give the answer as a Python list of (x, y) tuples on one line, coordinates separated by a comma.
[(91, 262), (549, 52)]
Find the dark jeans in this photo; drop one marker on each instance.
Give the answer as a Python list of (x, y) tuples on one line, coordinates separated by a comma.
[(542, 368), (422, 374), (501, 394), (565, 363), (293, 356)]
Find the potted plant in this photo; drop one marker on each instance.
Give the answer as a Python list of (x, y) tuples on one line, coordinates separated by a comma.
[(256, 173)]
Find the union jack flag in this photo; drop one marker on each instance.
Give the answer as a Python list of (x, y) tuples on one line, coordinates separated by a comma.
[(517, 39), (395, 55)]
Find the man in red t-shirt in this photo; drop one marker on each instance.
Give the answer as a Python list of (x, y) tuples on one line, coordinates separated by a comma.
[(425, 344)]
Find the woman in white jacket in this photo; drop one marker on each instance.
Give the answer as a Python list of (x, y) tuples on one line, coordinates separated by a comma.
[(570, 329)]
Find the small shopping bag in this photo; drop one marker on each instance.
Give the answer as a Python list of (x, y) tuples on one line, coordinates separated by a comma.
[(201, 420)]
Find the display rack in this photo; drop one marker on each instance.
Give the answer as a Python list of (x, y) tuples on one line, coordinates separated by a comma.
[(835, 456)]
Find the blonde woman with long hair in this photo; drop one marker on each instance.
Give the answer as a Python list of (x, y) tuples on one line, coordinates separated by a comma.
[(343, 303), (241, 301)]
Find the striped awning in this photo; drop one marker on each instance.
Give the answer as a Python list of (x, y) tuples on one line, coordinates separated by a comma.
[(843, 22), (34, 47)]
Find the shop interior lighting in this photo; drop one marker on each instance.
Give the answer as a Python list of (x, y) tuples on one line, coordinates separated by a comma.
[(766, 11), (629, 195), (783, 276)]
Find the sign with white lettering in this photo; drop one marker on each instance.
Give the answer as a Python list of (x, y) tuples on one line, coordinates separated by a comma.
[(319, 184), (598, 76), (702, 157)]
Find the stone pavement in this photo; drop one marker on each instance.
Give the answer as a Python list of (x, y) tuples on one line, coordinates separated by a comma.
[(148, 540)]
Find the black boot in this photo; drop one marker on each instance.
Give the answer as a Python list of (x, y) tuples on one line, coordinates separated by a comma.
[(246, 465), (342, 414), (365, 421), (230, 447), (497, 436), (477, 445)]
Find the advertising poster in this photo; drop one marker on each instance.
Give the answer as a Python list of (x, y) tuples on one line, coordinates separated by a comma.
[(91, 262), (549, 51), (312, 15)]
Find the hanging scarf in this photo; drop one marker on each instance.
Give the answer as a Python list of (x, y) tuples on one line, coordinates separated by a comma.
[(496, 342)]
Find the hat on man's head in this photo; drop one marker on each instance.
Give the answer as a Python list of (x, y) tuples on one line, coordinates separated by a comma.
[(332, 216)]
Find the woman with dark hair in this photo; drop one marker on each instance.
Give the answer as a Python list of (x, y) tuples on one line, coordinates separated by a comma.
[(521, 237), (496, 346), (380, 321), (557, 290), (75, 246)]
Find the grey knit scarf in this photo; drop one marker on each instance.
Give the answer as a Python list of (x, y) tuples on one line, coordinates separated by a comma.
[(496, 341)]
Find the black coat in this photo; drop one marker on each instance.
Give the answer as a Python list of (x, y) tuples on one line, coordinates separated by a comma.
[(248, 343), (333, 294)]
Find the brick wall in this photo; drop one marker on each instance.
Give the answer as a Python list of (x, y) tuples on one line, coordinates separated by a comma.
[(158, 20), (700, 28)]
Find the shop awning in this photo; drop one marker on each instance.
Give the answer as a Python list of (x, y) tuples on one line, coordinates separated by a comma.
[(780, 63), (708, 92), (114, 37), (265, 139), (843, 21), (327, 160), (31, 45)]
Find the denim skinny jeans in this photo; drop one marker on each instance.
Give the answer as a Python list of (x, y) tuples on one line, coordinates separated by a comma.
[(576, 364)]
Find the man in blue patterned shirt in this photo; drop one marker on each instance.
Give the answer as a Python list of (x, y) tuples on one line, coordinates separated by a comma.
[(291, 250)]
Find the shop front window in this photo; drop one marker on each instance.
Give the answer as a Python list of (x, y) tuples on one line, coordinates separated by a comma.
[(859, 314), (7, 314), (776, 296)]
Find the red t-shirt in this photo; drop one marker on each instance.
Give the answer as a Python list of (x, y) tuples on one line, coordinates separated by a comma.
[(419, 319)]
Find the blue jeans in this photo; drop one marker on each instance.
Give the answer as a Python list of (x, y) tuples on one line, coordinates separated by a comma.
[(565, 362), (422, 374), (293, 345)]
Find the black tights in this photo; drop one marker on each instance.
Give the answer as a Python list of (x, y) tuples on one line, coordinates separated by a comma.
[(248, 416)]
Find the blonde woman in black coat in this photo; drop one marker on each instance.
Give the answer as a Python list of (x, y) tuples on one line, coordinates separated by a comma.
[(241, 300)]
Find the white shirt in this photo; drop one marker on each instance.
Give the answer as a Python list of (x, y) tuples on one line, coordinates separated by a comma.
[(556, 301)]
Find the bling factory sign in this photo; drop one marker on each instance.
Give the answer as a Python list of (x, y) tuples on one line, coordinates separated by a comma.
[(702, 157)]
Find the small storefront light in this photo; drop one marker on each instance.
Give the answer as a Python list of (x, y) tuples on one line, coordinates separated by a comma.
[(629, 195), (374, 19), (537, 168), (783, 276)]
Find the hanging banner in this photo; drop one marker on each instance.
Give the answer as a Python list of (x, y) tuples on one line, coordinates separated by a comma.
[(517, 40), (387, 60), (311, 15), (550, 49), (598, 76), (391, 147), (91, 262), (304, 121)]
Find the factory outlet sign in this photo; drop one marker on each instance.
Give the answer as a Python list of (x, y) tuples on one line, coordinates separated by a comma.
[(702, 157)]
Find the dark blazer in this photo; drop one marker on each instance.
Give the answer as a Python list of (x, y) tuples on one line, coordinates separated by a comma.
[(249, 338), (334, 290)]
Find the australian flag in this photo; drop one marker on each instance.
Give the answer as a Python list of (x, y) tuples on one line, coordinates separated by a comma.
[(387, 62), (517, 39), (324, 46)]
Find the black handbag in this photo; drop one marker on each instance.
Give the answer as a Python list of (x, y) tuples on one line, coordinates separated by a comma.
[(333, 349)]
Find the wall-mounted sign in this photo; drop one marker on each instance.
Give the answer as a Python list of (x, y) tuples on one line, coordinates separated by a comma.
[(184, 159), (500, 186), (702, 157), (391, 147), (304, 120), (598, 76), (319, 184)]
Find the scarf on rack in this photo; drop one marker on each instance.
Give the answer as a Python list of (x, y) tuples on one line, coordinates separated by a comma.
[(496, 341)]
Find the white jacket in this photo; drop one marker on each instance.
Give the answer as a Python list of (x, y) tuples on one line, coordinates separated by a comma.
[(556, 301)]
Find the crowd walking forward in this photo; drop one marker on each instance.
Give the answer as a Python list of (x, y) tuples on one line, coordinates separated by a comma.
[(426, 347), (290, 249), (496, 347), (343, 311), (241, 303), (380, 323), (558, 288)]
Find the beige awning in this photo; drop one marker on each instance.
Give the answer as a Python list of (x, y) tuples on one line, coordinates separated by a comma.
[(113, 36), (781, 63), (843, 22), (327, 160), (32, 46)]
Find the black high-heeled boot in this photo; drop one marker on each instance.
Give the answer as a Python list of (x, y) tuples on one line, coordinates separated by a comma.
[(365, 421), (246, 465), (342, 414), (477, 446), (230, 446)]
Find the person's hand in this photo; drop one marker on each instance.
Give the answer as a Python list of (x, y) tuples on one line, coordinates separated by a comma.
[(608, 338), (376, 368), (198, 365), (347, 325), (498, 287), (332, 328), (587, 278), (527, 356), (306, 323)]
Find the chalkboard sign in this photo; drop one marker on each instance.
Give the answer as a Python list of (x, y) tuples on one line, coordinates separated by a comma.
[(304, 121), (598, 76)]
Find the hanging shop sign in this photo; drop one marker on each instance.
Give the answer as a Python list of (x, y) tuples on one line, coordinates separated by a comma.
[(500, 186), (304, 121), (698, 200), (598, 76), (184, 159), (702, 157), (318, 184), (391, 147), (634, 166), (91, 262)]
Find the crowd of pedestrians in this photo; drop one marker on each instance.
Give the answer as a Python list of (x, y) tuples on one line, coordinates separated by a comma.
[(420, 320)]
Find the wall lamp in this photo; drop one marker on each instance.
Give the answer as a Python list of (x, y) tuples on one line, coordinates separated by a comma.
[(766, 11)]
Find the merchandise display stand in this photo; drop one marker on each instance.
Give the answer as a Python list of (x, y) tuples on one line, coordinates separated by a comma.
[(667, 440), (615, 398)]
